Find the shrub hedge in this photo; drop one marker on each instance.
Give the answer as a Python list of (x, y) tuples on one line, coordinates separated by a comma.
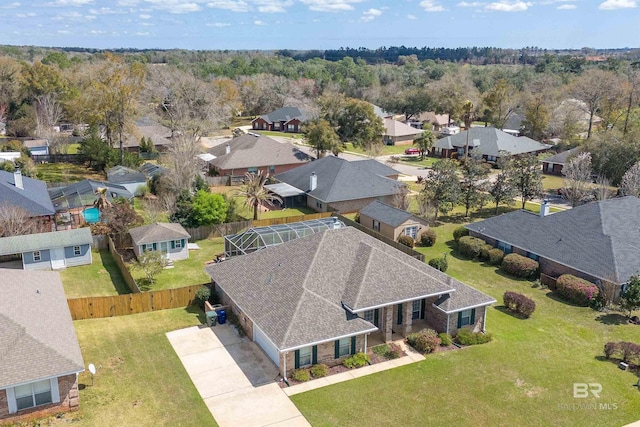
[(466, 336), (439, 263), (470, 246), (301, 375), (484, 252), (406, 240), (445, 339), (424, 341), (320, 370), (428, 238), (496, 256), (576, 290), (520, 266), (519, 303), (460, 232), (628, 352), (356, 361)]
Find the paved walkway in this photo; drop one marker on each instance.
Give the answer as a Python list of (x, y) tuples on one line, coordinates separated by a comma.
[(411, 357), (234, 377)]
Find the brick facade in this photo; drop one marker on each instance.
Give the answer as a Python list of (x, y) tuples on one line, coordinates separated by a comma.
[(394, 232), (346, 206), (264, 169), (326, 355), (69, 401), (245, 322)]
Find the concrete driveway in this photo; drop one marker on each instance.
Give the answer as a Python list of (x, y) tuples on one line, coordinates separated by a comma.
[(234, 377)]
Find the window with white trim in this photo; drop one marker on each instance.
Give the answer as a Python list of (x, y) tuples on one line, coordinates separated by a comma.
[(504, 247), (291, 128), (465, 318), (344, 348), (33, 394), (305, 357), (376, 225), (37, 256), (416, 309), (368, 315), (411, 231), (276, 125), (76, 250), (252, 170), (178, 243)]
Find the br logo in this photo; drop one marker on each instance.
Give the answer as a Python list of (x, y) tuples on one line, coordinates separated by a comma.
[(583, 390)]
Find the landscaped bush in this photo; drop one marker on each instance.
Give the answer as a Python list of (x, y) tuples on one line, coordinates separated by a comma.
[(460, 232), (388, 351), (484, 252), (519, 266), (445, 339), (428, 238), (356, 218), (576, 290), (519, 303), (424, 341), (496, 256), (358, 360), (202, 295), (406, 240), (301, 375), (611, 349), (470, 246), (320, 370), (466, 336), (439, 263), (630, 352)]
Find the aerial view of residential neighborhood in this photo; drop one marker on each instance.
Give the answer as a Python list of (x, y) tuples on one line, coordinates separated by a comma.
[(248, 213)]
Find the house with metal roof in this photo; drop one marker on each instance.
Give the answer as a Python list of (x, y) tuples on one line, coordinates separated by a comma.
[(489, 142), (49, 251), (285, 119), (253, 153), (597, 241), (325, 296), (335, 184), (41, 356), (391, 222), (170, 239)]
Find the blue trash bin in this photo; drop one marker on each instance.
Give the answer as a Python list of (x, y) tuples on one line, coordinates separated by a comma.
[(222, 317)]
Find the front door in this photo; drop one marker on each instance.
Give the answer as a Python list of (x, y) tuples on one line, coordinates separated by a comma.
[(57, 258)]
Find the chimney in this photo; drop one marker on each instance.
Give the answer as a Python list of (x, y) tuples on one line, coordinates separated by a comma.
[(313, 181), (228, 150), (17, 179), (544, 208)]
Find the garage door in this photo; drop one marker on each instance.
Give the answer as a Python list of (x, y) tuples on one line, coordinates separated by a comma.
[(266, 344)]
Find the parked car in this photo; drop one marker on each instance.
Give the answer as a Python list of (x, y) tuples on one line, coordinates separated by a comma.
[(411, 151)]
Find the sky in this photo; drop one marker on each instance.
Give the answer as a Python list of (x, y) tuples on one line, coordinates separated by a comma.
[(320, 24)]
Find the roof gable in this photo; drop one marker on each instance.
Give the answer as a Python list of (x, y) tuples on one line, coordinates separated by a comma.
[(387, 214), (158, 232), (41, 241), (490, 141), (33, 197), (285, 114), (253, 150), (395, 128)]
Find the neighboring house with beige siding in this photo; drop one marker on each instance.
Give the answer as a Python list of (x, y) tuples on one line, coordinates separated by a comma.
[(41, 356), (317, 299), (391, 222)]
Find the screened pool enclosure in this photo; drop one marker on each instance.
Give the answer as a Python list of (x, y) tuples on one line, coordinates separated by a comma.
[(258, 238)]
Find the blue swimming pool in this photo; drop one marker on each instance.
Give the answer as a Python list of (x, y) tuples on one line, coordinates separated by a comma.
[(91, 215)]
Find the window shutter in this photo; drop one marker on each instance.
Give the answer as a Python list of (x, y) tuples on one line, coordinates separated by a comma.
[(376, 316), (155, 246), (423, 308), (399, 314), (459, 319), (183, 243), (314, 355), (296, 359), (173, 244), (473, 316), (55, 393), (336, 352), (353, 345)]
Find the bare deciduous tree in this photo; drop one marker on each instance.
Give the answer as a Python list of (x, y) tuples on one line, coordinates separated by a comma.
[(630, 185), (593, 87), (15, 221), (577, 179), (602, 189), (401, 198)]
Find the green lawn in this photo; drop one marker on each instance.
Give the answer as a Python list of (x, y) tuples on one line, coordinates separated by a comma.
[(100, 278), (246, 212), (66, 172), (520, 378), (427, 162), (140, 381), (189, 271), (280, 134)]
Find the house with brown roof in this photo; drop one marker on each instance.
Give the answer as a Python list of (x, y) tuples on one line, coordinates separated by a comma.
[(285, 119), (398, 133), (391, 222), (148, 128), (326, 296), (41, 356), (170, 239)]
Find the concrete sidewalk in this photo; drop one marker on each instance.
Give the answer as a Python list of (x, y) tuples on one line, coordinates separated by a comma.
[(234, 377), (411, 357)]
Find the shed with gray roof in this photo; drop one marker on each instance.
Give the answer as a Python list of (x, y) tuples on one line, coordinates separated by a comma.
[(392, 222), (41, 356), (170, 239)]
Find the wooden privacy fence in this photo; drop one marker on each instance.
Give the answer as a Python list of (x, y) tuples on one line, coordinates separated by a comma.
[(126, 274), (289, 219), (120, 305)]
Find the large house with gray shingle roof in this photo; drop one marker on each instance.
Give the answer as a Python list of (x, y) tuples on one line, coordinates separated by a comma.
[(391, 222), (41, 356), (335, 184), (317, 299), (28, 194), (489, 142), (285, 119), (597, 241), (170, 239)]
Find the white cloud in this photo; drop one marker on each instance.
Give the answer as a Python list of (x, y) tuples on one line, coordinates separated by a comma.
[(258, 22), (10, 6), (567, 7), (330, 5), (142, 34), (508, 6), (71, 2), (470, 4), (370, 14), (411, 17), (618, 4), (218, 24), (232, 5), (145, 16), (64, 32), (431, 6)]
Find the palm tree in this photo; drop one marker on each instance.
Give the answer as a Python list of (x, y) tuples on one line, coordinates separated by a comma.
[(102, 202), (424, 142), (254, 192)]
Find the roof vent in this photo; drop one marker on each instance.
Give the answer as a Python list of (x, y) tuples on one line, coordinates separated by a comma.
[(544, 208), (228, 149), (313, 181), (17, 179)]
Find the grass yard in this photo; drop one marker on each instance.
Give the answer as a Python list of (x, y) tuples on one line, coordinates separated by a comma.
[(66, 172), (427, 162), (247, 212), (299, 136), (100, 278), (524, 377), (140, 380), (189, 271)]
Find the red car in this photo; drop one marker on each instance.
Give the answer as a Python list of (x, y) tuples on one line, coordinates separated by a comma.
[(411, 151)]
